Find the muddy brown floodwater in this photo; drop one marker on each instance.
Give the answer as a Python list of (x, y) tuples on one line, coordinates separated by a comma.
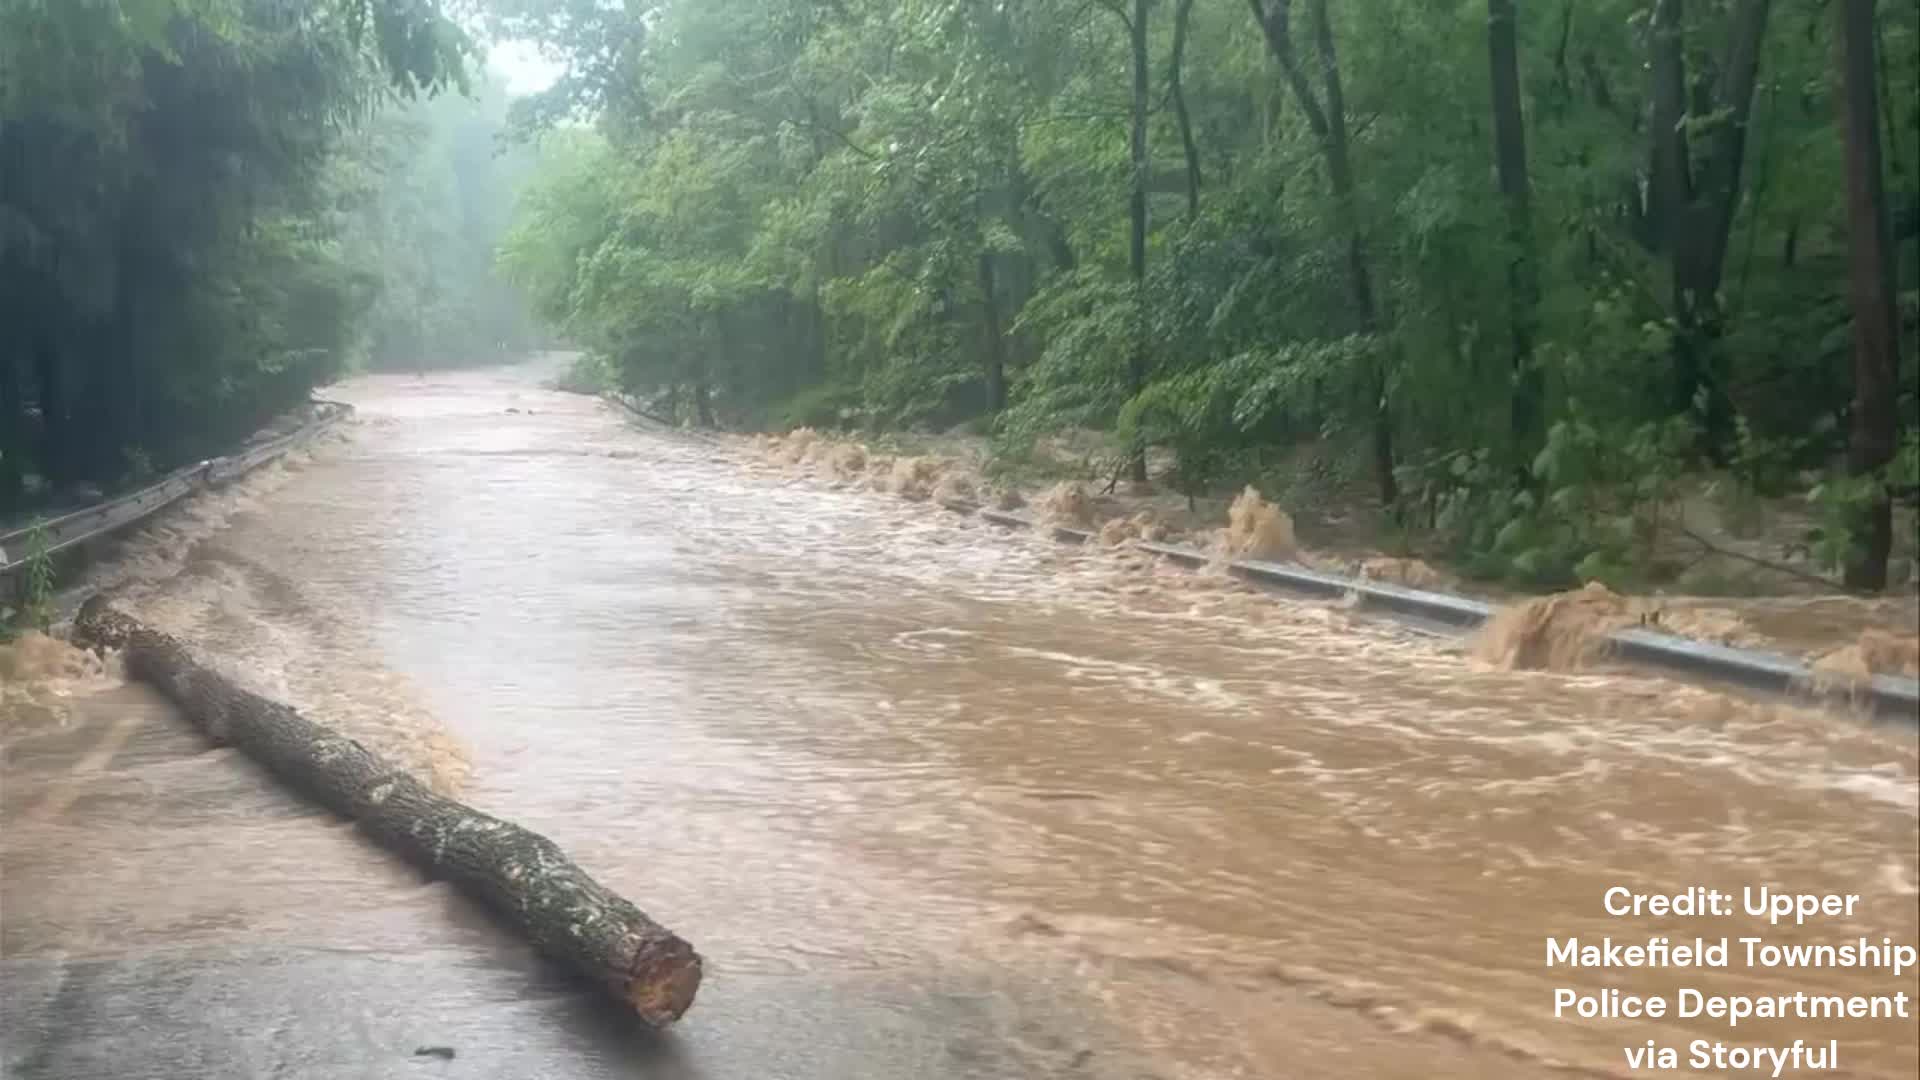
[(934, 799)]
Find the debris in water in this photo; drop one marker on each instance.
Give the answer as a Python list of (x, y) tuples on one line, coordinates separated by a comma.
[(1115, 532), (793, 449), (41, 671), (1005, 498), (913, 477), (1413, 573), (848, 459), (35, 656), (444, 1053), (1555, 632), (252, 620), (1141, 526), (1703, 624), (1066, 503), (955, 486), (1875, 652), (1028, 923), (553, 903), (1257, 529)]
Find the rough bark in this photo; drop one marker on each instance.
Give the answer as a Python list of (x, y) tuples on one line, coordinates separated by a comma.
[(521, 875), (1691, 209), (1876, 340), (1510, 159)]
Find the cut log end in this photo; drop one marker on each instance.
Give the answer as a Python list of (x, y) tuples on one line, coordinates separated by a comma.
[(662, 988)]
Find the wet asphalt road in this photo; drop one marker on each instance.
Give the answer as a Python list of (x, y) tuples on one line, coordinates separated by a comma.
[(276, 943), (168, 913), (934, 804)]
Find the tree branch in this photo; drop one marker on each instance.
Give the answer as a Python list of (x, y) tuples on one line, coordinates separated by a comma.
[(1766, 564), (1275, 24), (1562, 75), (845, 139), (1719, 180), (1178, 93)]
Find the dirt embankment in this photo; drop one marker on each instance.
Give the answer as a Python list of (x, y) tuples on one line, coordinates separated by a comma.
[(1841, 637)]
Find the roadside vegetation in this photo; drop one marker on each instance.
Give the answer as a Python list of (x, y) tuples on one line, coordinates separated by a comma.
[(1548, 291), (209, 207)]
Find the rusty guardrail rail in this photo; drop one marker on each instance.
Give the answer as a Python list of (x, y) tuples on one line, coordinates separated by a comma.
[(111, 516), (1889, 696)]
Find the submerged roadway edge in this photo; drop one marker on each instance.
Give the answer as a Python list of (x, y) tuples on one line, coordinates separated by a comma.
[(1890, 697)]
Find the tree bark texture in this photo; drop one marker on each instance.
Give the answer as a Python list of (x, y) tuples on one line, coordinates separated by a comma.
[(1876, 339), (1510, 159), (1691, 205), (522, 876)]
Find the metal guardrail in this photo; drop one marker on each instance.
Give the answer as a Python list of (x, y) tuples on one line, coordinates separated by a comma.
[(1888, 696), (106, 518)]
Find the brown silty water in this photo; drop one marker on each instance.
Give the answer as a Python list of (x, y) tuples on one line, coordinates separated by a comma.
[(831, 730)]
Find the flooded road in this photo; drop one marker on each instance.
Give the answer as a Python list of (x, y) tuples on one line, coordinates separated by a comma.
[(932, 798)]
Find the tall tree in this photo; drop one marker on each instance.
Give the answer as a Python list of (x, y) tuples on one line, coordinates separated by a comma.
[(1691, 203), (1870, 284), (927, 213), (1326, 113), (169, 226), (1177, 94), (1510, 162)]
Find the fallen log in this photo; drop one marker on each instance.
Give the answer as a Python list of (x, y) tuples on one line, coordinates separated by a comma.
[(520, 874)]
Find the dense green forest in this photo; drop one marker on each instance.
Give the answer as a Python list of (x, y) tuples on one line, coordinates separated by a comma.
[(208, 207), (1521, 269), (431, 188)]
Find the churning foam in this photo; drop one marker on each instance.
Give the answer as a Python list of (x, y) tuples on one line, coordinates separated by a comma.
[(1557, 632), (1257, 529), (1065, 503), (1874, 652), (40, 675)]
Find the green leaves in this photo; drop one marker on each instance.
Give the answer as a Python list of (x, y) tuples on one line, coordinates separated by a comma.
[(170, 217), (889, 210)]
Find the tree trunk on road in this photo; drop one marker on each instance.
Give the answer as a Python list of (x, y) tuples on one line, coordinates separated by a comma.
[(521, 875)]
